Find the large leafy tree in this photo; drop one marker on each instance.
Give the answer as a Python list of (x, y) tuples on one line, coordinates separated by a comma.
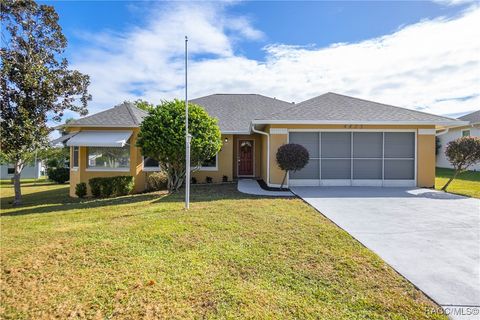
[(462, 153), (162, 137), (36, 82)]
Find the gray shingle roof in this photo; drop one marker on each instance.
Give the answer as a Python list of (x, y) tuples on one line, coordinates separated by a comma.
[(473, 117), (236, 111), (337, 108), (122, 115)]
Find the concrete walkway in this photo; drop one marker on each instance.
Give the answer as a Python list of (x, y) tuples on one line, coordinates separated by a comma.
[(430, 237), (251, 186)]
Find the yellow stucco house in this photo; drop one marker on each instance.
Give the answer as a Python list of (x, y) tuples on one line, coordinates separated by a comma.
[(351, 142)]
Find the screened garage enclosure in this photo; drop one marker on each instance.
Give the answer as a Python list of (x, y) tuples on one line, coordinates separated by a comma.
[(356, 158)]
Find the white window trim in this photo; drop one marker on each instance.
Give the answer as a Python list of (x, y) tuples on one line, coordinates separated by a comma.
[(211, 168), (149, 169), (469, 132)]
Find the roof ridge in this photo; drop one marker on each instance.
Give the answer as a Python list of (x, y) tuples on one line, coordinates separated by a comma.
[(392, 106), (242, 94), (127, 106), (294, 105)]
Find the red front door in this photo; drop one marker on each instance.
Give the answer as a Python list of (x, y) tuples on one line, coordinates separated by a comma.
[(245, 157)]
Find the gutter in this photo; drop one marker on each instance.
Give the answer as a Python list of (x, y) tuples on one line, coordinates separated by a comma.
[(354, 122), (268, 150), (442, 132)]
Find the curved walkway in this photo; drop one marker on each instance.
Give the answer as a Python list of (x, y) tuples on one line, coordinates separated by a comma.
[(251, 186)]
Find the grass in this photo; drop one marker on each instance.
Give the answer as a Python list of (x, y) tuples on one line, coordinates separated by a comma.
[(25, 181), (466, 183), (231, 256)]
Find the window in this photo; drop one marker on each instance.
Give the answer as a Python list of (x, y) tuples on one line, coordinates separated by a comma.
[(109, 158), (150, 164), (75, 157), (210, 164), (10, 170), (465, 133)]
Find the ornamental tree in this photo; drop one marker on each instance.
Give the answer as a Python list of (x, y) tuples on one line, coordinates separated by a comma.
[(462, 153), (35, 81), (291, 157), (162, 137)]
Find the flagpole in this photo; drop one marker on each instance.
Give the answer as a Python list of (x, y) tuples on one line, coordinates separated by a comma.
[(187, 135)]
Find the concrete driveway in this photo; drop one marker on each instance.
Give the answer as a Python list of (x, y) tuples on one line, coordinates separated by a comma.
[(431, 238)]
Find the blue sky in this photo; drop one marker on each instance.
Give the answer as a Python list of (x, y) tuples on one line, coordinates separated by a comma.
[(419, 55)]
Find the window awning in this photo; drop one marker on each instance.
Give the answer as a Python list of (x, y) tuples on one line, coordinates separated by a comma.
[(100, 139)]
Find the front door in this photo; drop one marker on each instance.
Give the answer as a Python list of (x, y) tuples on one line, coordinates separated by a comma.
[(245, 157)]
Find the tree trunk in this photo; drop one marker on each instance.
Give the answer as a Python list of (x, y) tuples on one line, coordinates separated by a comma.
[(175, 180), (451, 179), (283, 180), (16, 183)]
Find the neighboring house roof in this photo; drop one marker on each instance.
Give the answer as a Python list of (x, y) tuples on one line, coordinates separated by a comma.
[(60, 141), (473, 117), (235, 112), (123, 115), (333, 108)]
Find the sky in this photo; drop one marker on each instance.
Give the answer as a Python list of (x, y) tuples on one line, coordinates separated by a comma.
[(418, 55)]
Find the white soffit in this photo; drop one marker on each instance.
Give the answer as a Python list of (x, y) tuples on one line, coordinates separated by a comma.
[(100, 139)]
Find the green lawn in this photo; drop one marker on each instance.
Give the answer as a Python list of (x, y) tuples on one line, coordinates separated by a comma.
[(231, 256), (467, 183)]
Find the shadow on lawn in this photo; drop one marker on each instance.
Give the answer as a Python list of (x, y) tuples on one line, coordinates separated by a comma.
[(58, 199), (467, 175)]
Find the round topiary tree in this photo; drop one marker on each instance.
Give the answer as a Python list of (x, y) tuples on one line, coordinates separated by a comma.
[(162, 137), (291, 157), (462, 153)]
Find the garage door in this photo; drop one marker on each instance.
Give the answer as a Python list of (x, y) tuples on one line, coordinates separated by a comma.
[(356, 158)]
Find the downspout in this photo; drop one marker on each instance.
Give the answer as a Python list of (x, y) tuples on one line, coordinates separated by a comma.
[(268, 150), (442, 133)]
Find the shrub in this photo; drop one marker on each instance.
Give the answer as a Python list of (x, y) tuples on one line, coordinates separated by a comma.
[(81, 189), (111, 186), (123, 185), (462, 153), (95, 186), (225, 178), (194, 180), (107, 187), (291, 157), (157, 181), (209, 179), (59, 175)]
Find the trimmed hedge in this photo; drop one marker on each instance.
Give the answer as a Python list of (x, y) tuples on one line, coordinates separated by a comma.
[(58, 175), (157, 181), (111, 186), (81, 189), (95, 187)]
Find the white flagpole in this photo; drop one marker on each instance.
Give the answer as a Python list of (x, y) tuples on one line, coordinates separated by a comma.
[(187, 136)]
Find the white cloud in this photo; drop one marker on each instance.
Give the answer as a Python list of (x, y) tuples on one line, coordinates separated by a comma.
[(432, 65)]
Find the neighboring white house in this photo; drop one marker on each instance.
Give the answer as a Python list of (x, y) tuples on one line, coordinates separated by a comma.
[(29, 171), (452, 133)]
